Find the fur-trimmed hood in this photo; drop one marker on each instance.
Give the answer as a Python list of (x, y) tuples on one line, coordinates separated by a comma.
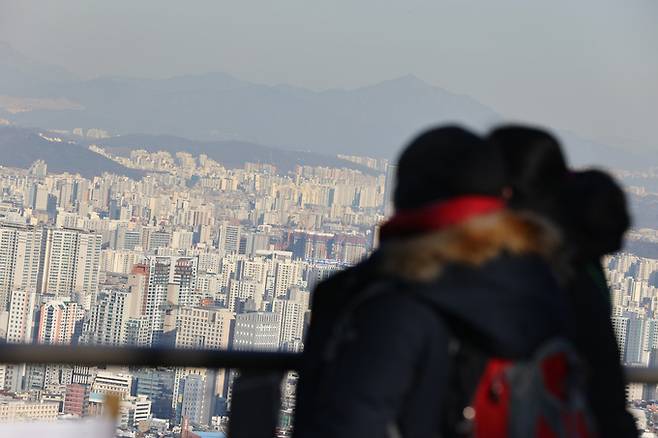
[(491, 275), (472, 243)]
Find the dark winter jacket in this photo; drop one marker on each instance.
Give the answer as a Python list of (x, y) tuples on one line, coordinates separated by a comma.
[(388, 374), (596, 343)]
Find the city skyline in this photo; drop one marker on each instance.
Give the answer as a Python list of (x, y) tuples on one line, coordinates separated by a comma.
[(193, 255), (183, 175)]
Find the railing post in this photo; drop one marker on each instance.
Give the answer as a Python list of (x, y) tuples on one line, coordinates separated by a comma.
[(255, 404)]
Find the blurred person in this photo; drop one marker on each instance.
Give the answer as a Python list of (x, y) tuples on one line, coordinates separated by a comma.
[(598, 221), (535, 168), (398, 345), (590, 210)]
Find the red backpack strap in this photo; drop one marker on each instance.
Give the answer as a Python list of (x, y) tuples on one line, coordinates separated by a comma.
[(543, 397)]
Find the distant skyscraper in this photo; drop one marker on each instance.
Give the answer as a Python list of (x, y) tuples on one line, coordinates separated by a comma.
[(196, 399), (20, 330), (291, 310), (257, 331), (634, 341), (389, 187), (158, 385), (21, 252), (58, 321), (76, 399), (39, 169), (229, 238), (205, 328), (171, 282), (286, 274), (110, 316), (153, 238), (195, 391), (71, 264), (22, 312), (620, 326), (38, 197)]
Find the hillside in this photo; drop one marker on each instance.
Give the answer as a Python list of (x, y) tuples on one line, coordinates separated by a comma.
[(21, 147), (231, 154)]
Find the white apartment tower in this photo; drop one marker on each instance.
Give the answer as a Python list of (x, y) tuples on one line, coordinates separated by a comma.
[(229, 238), (205, 328), (20, 330), (292, 311), (22, 310), (109, 318), (171, 282), (71, 264), (21, 251), (257, 331)]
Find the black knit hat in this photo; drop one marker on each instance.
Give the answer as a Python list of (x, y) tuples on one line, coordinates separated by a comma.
[(596, 212), (444, 163)]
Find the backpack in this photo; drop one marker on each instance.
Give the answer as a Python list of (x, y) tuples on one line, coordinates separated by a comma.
[(542, 397)]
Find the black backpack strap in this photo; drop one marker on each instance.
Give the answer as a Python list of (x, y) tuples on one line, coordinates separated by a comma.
[(467, 363), (341, 331)]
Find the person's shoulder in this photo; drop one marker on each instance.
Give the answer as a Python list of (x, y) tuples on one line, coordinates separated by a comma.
[(396, 306), (346, 278)]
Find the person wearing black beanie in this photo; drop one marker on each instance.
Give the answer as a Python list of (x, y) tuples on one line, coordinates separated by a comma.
[(595, 220), (454, 267), (446, 162), (535, 167), (589, 209)]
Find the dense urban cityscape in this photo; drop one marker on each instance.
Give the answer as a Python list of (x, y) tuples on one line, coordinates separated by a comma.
[(193, 255), (177, 178), (196, 255)]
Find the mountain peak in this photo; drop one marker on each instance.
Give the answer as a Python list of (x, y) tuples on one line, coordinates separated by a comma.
[(409, 80), (406, 82)]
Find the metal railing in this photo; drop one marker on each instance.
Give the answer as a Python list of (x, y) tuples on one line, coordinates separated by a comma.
[(256, 394), (641, 375), (91, 355)]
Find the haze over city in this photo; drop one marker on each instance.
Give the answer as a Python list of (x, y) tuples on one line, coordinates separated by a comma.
[(183, 175), (587, 67)]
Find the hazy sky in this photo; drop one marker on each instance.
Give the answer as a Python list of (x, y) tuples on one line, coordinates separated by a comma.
[(590, 66)]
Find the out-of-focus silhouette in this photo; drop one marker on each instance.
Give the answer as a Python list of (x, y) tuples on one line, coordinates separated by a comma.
[(590, 209), (595, 220), (535, 167), (596, 213), (398, 344)]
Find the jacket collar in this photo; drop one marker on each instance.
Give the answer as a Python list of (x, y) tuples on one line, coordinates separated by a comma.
[(439, 215), (474, 241)]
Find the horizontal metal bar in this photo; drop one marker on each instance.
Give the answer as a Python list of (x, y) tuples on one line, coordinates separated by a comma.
[(90, 355), (641, 375)]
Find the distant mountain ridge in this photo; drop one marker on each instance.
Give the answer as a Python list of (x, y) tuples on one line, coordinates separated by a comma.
[(372, 120), (375, 120)]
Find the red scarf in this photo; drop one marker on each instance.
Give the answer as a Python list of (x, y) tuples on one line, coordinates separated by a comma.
[(439, 215)]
